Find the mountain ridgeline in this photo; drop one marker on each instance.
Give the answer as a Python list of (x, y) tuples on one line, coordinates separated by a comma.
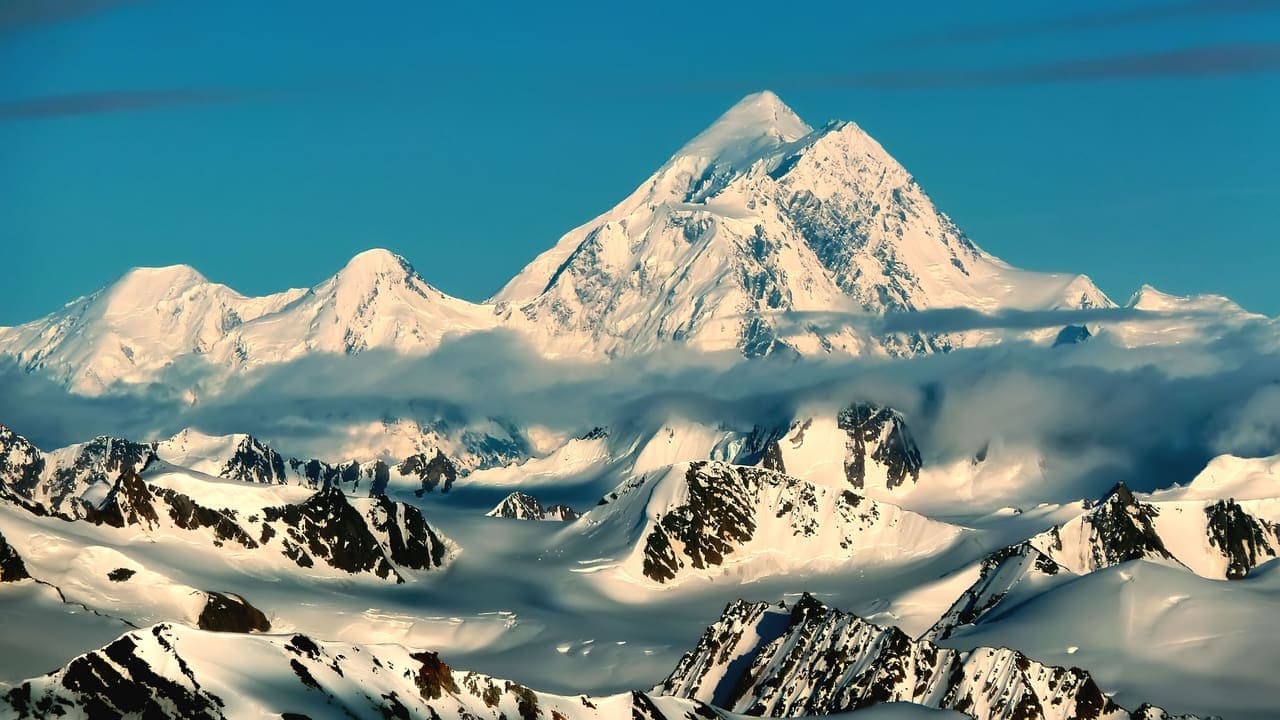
[(755, 225)]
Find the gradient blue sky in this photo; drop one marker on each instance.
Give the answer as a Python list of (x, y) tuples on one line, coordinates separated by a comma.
[(267, 142)]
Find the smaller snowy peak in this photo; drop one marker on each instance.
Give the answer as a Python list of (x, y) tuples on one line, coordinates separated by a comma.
[(712, 520), (1116, 529), (1150, 299), (809, 659), (1194, 529), (142, 284), (377, 261), (519, 506)]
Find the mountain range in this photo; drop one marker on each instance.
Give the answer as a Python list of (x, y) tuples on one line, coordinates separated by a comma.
[(762, 235), (772, 437)]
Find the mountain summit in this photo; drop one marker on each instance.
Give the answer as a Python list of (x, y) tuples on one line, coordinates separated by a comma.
[(757, 220)]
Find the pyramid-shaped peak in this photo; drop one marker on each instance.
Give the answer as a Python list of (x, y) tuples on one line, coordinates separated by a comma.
[(756, 124), (1119, 494)]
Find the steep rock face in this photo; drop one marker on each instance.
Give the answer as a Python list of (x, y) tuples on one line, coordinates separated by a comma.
[(1244, 540), (520, 506), (1072, 335), (170, 671), (878, 434), (373, 536), (758, 217), (810, 659), (707, 518), (12, 569), (254, 461), (235, 457), (436, 471), (761, 448), (76, 477), (248, 459), (999, 574), (21, 463), (1116, 530)]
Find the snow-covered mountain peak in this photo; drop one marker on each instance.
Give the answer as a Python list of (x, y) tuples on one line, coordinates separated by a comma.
[(1151, 299), (757, 124), (172, 276), (376, 262)]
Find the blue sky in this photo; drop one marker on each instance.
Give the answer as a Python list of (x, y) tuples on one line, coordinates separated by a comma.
[(266, 143)]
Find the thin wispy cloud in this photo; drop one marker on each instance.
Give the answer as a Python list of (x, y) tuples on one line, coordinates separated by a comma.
[(113, 101), (1110, 18), (18, 15), (1207, 61)]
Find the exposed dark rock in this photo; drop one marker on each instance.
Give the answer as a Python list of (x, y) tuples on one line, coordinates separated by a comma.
[(410, 540), (879, 434), (1244, 540), (718, 515), (433, 677), (12, 569), (326, 526), (117, 682), (254, 461), (770, 661), (21, 463), (101, 460), (520, 506), (121, 574), (227, 612), (1072, 335), (999, 573), (761, 448), (1123, 529), (128, 504), (437, 471)]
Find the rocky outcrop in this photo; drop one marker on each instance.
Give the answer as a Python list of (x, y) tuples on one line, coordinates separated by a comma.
[(1072, 335), (436, 471), (21, 463), (810, 659), (170, 671), (1120, 528), (12, 569), (70, 480), (761, 448), (1245, 541), (254, 461), (227, 612), (703, 518), (879, 434), (999, 574), (520, 506), (375, 537)]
